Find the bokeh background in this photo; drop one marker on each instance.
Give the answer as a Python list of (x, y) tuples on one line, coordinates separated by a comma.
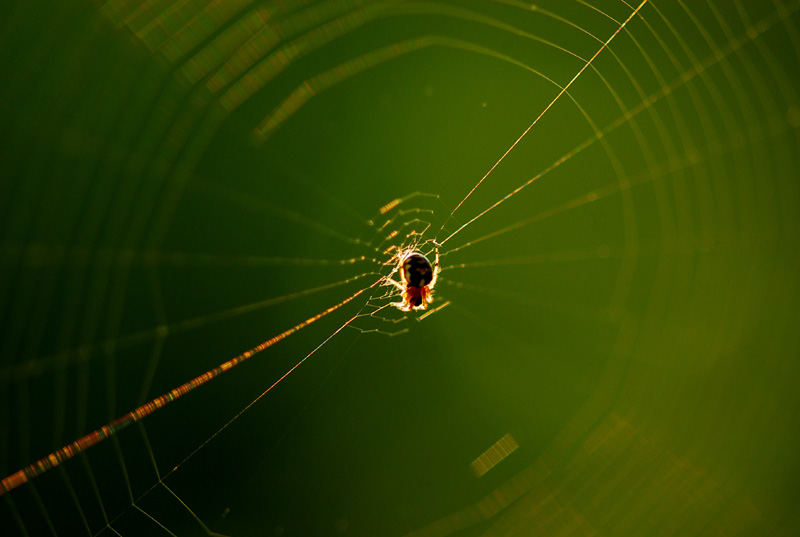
[(180, 178)]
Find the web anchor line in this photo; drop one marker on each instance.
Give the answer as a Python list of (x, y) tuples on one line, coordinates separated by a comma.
[(80, 445), (535, 121)]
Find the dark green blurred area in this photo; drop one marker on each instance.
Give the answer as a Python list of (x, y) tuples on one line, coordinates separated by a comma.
[(630, 316)]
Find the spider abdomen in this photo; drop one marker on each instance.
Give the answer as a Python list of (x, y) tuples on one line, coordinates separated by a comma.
[(416, 270)]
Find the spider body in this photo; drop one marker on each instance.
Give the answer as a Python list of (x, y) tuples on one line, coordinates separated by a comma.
[(416, 271), (416, 274), (418, 277)]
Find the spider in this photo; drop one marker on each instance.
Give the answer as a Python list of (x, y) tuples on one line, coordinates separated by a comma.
[(418, 278)]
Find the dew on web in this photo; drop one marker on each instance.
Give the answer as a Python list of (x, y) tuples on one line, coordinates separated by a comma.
[(610, 189)]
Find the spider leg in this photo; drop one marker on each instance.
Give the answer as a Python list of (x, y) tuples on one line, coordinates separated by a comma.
[(436, 267), (399, 285), (402, 305)]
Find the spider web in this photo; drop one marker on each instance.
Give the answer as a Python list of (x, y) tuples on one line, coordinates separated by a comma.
[(184, 180)]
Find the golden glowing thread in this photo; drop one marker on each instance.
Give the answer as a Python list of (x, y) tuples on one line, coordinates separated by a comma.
[(82, 444), (389, 206), (525, 132), (683, 162), (38, 366), (680, 81), (434, 310), (85, 442), (494, 455)]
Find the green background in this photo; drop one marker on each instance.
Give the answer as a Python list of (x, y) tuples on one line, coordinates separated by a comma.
[(636, 333)]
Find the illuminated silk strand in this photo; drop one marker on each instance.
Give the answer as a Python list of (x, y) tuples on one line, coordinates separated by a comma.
[(535, 121), (82, 444)]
